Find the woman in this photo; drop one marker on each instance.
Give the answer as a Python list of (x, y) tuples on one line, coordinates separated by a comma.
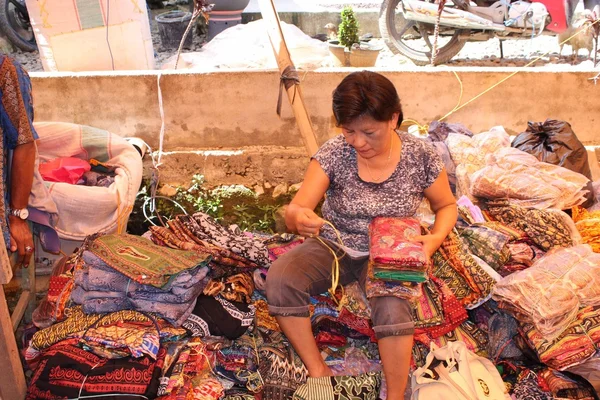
[(371, 170)]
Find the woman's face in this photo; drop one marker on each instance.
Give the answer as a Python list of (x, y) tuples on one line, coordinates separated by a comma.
[(369, 137)]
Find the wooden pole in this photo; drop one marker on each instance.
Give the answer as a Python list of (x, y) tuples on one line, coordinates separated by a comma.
[(12, 381), (284, 61)]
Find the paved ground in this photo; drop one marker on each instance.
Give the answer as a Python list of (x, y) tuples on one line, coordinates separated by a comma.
[(516, 52)]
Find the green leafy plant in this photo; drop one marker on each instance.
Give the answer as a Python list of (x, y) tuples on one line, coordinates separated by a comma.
[(348, 30), (230, 204)]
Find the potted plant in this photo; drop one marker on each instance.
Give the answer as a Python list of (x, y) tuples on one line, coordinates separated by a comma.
[(356, 53)]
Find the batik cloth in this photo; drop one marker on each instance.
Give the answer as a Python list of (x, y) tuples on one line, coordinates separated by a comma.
[(545, 228), (16, 123), (264, 318), (238, 287), (67, 371), (391, 243), (360, 387), (282, 372), (77, 323), (445, 311), (588, 225), (205, 228), (218, 317), (550, 293), (487, 244), (527, 388), (454, 264), (176, 237), (576, 344), (563, 386), (143, 261), (502, 328)]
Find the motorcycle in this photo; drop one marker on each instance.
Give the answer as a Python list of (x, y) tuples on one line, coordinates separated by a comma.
[(15, 24), (407, 26)]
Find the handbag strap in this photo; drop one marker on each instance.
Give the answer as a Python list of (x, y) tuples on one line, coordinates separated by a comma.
[(443, 372)]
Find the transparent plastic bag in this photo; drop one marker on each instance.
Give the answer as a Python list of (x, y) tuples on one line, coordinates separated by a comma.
[(550, 292)]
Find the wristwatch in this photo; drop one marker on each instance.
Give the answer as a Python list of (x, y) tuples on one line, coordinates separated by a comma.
[(22, 213)]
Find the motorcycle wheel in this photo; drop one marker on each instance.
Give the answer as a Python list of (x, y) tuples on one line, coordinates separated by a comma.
[(412, 38), (14, 23)]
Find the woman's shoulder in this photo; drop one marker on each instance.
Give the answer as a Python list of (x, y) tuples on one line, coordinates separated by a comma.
[(334, 147), (415, 144)]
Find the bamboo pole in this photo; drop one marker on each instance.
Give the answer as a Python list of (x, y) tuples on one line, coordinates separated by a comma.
[(12, 382), (288, 72)]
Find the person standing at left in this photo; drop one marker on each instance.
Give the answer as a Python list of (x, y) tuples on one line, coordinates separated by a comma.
[(17, 145)]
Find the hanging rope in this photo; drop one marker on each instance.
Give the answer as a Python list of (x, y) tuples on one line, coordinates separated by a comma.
[(288, 78), (436, 33)]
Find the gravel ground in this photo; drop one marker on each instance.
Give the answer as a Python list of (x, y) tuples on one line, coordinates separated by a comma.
[(517, 53)]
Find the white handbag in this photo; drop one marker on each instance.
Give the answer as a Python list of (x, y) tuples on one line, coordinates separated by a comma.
[(453, 372)]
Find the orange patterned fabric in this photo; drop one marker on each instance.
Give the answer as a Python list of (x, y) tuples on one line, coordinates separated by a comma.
[(588, 225)]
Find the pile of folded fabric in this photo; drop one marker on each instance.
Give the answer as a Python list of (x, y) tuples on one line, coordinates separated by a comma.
[(397, 263)]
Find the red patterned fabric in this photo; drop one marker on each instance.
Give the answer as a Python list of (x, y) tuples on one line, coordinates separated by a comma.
[(68, 371), (454, 312), (390, 243)]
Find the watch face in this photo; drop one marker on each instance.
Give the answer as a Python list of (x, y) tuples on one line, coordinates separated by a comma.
[(24, 213)]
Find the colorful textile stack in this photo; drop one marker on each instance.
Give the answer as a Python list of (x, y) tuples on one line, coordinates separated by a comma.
[(67, 371), (393, 253), (101, 288), (575, 344)]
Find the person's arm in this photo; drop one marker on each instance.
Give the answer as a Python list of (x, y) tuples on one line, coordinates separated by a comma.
[(21, 179), (300, 216), (443, 204)]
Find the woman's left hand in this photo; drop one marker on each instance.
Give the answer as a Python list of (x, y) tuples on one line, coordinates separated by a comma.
[(431, 243)]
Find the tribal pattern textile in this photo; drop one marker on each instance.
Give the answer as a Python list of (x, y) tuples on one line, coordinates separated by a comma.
[(264, 318), (282, 371), (428, 310), (16, 124), (487, 244), (175, 237), (575, 345), (218, 317), (545, 228), (238, 287), (205, 228), (77, 323), (454, 264), (360, 387), (452, 311), (143, 261), (588, 225), (67, 371)]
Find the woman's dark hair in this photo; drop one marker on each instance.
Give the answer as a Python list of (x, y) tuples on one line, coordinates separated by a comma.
[(366, 93)]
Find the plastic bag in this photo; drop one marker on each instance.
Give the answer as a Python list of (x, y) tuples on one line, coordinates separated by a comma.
[(64, 169), (550, 293), (554, 142)]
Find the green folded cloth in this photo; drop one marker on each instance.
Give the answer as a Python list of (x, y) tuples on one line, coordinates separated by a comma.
[(399, 276)]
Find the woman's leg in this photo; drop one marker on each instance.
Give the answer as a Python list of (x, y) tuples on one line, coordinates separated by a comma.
[(393, 325), (292, 279), (395, 352)]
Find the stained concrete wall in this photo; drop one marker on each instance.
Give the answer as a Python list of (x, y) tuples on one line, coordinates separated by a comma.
[(235, 111)]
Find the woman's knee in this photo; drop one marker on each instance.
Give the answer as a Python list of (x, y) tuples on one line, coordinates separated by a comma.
[(391, 316)]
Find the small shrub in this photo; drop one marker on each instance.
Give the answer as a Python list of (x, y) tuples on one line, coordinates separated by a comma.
[(348, 31)]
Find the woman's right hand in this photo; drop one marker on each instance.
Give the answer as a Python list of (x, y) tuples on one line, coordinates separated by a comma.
[(308, 223)]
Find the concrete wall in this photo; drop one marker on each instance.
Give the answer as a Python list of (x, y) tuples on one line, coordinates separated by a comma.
[(235, 110)]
